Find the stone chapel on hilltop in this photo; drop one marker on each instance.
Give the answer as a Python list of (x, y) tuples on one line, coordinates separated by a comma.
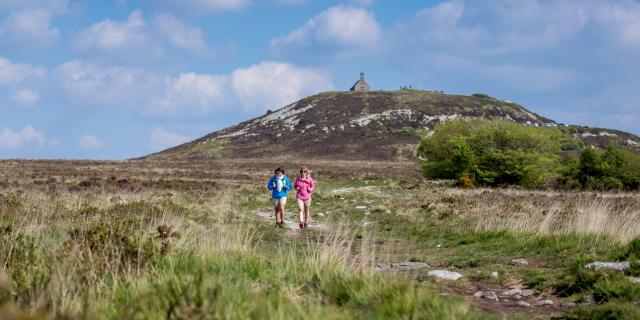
[(360, 85)]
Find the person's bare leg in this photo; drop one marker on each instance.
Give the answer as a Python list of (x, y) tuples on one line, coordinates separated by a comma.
[(277, 209), (281, 212), (307, 209), (301, 211)]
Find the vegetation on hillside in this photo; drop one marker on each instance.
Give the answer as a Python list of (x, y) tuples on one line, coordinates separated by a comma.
[(183, 242), (500, 152)]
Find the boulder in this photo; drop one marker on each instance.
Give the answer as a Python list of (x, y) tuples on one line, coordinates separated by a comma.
[(517, 292), (444, 274), (521, 262), (616, 266), (634, 279), (486, 295), (545, 302)]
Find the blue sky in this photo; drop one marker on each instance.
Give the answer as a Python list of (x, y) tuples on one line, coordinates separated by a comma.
[(120, 79)]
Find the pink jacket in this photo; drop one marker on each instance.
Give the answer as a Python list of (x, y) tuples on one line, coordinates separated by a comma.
[(304, 188)]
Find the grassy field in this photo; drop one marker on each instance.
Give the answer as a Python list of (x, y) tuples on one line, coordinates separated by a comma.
[(178, 240)]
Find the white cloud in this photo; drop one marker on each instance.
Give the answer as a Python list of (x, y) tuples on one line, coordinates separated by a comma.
[(90, 142), (181, 35), (25, 137), (362, 2), (349, 28), (13, 73), (55, 6), (293, 2), (137, 38), (253, 89), (160, 139), (25, 97), (207, 6), (30, 26), (111, 35), (275, 84), (623, 19), (89, 84), (198, 93)]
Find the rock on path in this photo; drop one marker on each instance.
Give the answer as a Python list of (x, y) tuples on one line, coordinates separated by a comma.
[(444, 274), (617, 266)]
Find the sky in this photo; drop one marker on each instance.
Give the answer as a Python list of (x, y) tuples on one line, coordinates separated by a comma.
[(83, 79)]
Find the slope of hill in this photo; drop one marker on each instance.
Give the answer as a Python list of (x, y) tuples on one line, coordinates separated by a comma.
[(378, 125)]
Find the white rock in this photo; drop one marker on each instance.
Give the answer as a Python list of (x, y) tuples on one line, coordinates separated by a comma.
[(495, 274), (524, 304), (361, 207), (546, 302), (511, 292), (444, 274), (478, 294), (489, 295), (521, 262), (617, 266), (517, 292), (634, 279), (526, 292)]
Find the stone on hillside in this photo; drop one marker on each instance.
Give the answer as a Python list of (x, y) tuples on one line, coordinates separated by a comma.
[(634, 279), (402, 266), (545, 302), (524, 304), (517, 292), (495, 275), (521, 262), (444, 274), (486, 295), (617, 266), (361, 207)]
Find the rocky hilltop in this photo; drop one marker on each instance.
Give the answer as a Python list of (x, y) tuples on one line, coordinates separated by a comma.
[(375, 125)]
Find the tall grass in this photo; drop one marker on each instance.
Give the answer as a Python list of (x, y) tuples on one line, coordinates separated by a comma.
[(152, 254), (577, 213)]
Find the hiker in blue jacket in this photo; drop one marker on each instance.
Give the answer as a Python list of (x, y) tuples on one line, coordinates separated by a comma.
[(279, 184)]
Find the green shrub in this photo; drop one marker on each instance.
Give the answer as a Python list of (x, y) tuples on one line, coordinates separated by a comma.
[(534, 280), (612, 168), (493, 152), (616, 287), (577, 279), (608, 311), (500, 152), (633, 249)]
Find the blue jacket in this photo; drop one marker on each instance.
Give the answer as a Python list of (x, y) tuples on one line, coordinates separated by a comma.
[(273, 186)]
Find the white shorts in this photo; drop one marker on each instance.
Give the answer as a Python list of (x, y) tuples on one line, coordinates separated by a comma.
[(304, 202), (276, 202)]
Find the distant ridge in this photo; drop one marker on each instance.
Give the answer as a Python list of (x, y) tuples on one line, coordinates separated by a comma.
[(374, 125)]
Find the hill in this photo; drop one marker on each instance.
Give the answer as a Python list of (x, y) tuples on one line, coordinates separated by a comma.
[(376, 125)]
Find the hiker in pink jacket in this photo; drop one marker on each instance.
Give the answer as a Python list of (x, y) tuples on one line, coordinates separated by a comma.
[(304, 186)]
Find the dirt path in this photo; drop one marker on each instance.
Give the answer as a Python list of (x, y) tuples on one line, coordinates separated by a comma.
[(290, 221)]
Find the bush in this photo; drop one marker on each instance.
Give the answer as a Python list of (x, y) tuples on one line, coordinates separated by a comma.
[(616, 288), (493, 152), (612, 168), (500, 152), (608, 311)]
